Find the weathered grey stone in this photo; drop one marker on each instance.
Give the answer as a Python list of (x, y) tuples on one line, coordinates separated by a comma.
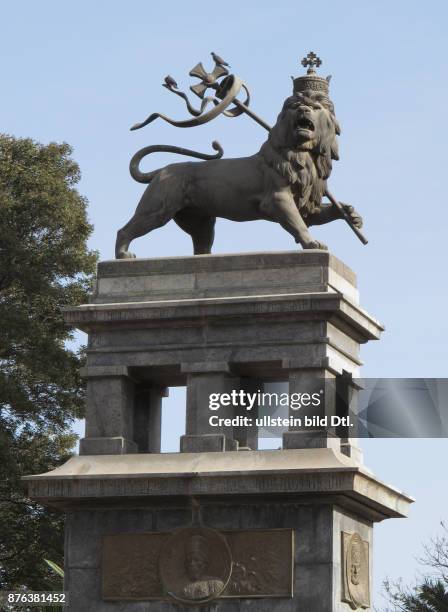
[(317, 549), (247, 436), (318, 386), (225, 516), (259, 516), (85, 528), (352, 450), (314, 533), (109, 402), (221, 341), (148, 417), (105, 371), (216, 324), (204, 381), (167, 519), (110, 407), (209, 367), (347, 405), (107, 446), (343, 522), (296, 474), (268, 605), (84, 586), (247, 315), (223, 275), (314, 587), (207, 443), (310, 439)]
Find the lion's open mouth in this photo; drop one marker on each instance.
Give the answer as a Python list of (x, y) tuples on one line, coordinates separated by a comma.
[(305, 124)]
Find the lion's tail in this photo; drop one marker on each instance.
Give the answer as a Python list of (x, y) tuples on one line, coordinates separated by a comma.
[(146, 177)]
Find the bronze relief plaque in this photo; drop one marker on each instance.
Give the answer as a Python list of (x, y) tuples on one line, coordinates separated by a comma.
[(355, 571), (198, 564), (195, 565), (130, 567), (262, 563)]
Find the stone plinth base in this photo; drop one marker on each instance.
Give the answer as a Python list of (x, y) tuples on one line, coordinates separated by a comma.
[(207, 443), (215, 323), (318, 494), (276, 531)]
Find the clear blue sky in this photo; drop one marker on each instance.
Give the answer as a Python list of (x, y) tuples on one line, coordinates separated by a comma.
[(84, 72)]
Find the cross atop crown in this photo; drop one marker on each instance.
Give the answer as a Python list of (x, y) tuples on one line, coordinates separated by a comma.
[(311, 60), (311, 81)]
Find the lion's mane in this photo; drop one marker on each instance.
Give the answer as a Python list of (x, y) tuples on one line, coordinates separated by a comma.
[(305, 170)]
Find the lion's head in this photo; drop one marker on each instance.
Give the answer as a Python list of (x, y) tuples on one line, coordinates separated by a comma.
[(302, 145)]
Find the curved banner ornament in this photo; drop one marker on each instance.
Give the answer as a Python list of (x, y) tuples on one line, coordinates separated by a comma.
[(226, 94), (231, 89)]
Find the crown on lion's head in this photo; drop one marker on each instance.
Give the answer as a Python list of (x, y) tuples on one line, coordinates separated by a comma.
[(303, 143)]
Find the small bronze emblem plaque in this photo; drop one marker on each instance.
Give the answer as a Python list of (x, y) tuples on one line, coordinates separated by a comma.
[(355, 571), (198, 564)]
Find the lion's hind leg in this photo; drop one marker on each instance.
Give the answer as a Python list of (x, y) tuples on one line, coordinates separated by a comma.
[(200, 227), (158, 205), (139, 225)]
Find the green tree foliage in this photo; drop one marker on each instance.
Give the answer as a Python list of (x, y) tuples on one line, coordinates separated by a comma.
[(431, 595), (44, 266)]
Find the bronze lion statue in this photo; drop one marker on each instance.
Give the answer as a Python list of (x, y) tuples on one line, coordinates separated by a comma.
[(284, 182)]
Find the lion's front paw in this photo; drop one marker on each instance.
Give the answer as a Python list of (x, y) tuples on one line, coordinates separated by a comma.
[(315, 244), (353, 215)]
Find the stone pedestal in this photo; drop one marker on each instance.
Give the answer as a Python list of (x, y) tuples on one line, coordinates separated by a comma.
[(259, 530), (318, 494)]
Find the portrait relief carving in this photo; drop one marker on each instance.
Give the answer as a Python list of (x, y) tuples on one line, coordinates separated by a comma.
[(195, 565), (355, 571)]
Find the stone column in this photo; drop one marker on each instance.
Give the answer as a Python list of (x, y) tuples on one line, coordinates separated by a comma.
[(109, 411), (148, 417), (247, 437), (315, 382), (347, 408), (204, 379)]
